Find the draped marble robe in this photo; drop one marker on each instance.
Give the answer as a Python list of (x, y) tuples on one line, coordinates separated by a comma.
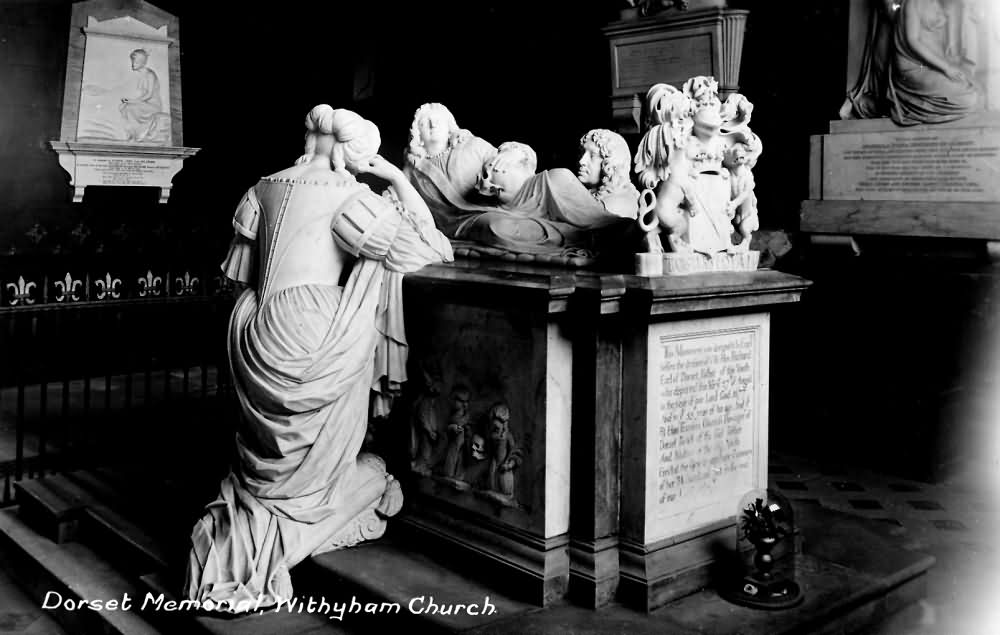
[(552, 214), (896, 80), (308, 361)]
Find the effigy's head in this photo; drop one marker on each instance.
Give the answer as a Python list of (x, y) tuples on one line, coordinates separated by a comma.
[(431, 132), (605, 159), (504, 174), (348, 138)]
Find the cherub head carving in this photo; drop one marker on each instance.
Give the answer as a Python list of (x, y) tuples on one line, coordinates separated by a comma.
[(433, 131), (744, 152), (604, 163), (505, 173)]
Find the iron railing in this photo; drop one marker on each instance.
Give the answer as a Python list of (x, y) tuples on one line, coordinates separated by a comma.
[(88, 353)]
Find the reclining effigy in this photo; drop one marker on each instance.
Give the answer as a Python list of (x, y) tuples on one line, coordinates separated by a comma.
[(491, 201)]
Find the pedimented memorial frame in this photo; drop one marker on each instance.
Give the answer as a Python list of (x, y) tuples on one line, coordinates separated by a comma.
[(102, 139)]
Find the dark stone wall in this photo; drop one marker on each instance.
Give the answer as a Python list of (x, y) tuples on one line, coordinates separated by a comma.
[(515, 70)]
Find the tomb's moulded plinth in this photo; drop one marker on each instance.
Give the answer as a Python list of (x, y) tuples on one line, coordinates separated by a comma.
[(675, 264), (871, 176)]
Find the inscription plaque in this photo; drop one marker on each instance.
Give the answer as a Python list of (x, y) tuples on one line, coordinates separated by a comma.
[(640, 64), (946, 165), (706, 443), (136, 171)]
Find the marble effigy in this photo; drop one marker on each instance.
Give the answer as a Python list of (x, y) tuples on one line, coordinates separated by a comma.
[(313, 358), (493, 202)]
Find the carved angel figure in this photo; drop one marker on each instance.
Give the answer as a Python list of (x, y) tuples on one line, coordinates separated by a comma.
[(680, 164)]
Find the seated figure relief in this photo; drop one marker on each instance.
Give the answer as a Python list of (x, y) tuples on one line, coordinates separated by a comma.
[(492, 201)]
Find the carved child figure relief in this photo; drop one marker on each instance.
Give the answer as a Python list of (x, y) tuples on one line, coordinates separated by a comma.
[(458, 431), (424, 431), (505, 457)]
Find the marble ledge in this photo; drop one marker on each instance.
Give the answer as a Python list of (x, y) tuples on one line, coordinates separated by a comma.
[(499, 282)]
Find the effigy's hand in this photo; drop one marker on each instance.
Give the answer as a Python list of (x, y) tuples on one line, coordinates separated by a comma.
[(381, 168)]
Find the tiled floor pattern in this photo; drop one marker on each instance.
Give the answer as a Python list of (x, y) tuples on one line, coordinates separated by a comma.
[(958, 522)]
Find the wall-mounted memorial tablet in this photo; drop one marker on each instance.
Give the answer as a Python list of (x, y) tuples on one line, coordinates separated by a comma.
[(684, 39), (121, 118)]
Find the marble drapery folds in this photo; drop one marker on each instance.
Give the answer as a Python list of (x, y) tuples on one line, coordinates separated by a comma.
[(908, 72), (552, 213), (310, 361)]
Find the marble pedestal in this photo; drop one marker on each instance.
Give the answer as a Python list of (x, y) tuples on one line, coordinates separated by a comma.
[(871, 176), (577, 357), (694, 423)]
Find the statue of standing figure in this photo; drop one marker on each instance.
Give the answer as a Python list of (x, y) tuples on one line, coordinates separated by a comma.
[(694, 162)]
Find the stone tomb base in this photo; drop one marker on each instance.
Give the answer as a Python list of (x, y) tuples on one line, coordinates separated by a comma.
[(489, 431), (582, 432)]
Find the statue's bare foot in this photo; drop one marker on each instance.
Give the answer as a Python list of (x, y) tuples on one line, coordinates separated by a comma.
[(392, 498)]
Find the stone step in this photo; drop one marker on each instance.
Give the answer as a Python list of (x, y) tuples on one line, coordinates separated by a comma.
[(264, 622), (60, 576), (62, 508), (404, 588)]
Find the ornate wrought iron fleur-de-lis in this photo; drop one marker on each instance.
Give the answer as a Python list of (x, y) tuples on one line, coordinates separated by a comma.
[(109, 287), (186, 285), (150, 285), (22, 291), (67, 288), (223, 285)]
